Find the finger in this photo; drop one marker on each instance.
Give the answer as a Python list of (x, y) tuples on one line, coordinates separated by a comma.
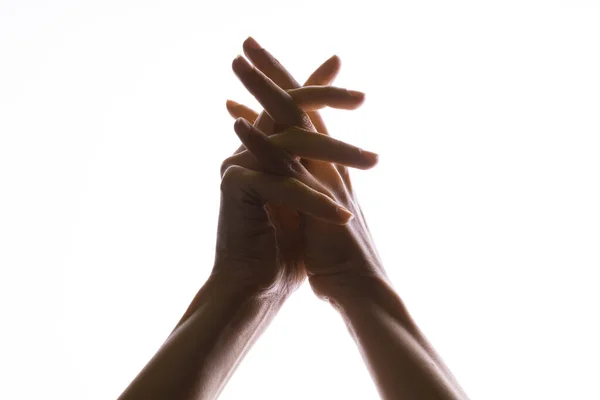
[(308, 145), (283, 190), (277, 102), (265, 124), (237, 110), (310, 98), (265, 62), (317, 121), (272, 68), (313, 146), (273, 159), (270, 157), (325, 73)]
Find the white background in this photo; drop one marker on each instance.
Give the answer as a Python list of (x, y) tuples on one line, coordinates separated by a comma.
[(484, 205)]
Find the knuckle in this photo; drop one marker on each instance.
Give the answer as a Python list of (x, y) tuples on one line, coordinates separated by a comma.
[(228, 162), (305, 121), (231, 178)]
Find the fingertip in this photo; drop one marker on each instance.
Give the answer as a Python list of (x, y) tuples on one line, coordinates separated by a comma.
[(240, 65), (235, 61), (335, 60), (355, 94), (355, 99), (251, 44), (370, 160), (241, 125), (231, 106), (329, 69)]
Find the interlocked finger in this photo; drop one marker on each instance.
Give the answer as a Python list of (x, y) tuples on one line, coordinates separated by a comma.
[(237, 110), (269, 65), (286, 191), (324, 75), (308, 98), (277, 102), (297, 142), (311, 98), (269, 157), (281, 111)]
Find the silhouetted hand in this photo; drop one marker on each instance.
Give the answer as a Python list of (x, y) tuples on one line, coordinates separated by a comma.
[(332, 254), (271, 243), (315, 95), (340, 259)]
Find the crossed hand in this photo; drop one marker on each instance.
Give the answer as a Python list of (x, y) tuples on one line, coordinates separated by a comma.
[(288, 209)]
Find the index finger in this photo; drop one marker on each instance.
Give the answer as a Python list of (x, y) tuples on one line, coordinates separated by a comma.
[(269, 65), (277, 102), (272, 158)]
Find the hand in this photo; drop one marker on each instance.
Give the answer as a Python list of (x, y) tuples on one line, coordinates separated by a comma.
[(253, 272), (287, 222), (336, 257), (289, 250), (262, 248)]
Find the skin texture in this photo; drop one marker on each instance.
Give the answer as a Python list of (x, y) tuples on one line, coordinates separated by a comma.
[(288, 211)]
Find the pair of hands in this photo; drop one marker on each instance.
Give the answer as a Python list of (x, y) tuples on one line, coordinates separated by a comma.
[(288, 209)]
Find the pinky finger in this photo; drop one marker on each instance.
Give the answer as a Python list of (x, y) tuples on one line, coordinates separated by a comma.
[(286, 191), (237, 110)]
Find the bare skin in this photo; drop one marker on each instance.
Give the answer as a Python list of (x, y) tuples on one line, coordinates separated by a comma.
[(344, 268), (288, 211), (253, 274)]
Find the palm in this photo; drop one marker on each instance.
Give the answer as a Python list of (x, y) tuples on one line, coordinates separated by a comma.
[(289, 243)]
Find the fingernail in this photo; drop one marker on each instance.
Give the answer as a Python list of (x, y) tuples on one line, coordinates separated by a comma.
[(344, 214), (370, 156), (252, 44), (356, 94), (240, 65)]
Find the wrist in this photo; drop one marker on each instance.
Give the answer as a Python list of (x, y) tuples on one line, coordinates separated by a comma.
[(350, 286), (358, 296), (232, 297), (243, 290)]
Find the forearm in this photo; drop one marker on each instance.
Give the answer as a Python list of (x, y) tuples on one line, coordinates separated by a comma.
[(206, 346), (400, 359)]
